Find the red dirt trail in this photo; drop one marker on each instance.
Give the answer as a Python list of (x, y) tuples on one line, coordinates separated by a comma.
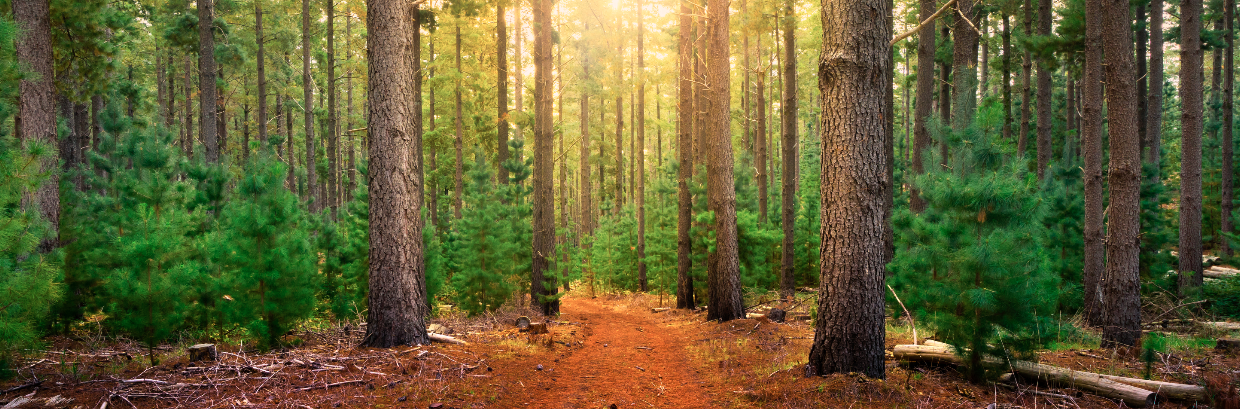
[(629, 358)]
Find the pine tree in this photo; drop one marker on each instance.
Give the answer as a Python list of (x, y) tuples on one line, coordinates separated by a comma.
[(27, 279), (263, 247), (975, 263), (480, 248)]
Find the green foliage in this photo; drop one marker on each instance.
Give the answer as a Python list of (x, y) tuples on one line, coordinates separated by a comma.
[(974, 263), (807, 233), (264, 250), (1153, 344), (27, 279), (481, 249), (1065, 239), (1224, 296), (1159, 234)]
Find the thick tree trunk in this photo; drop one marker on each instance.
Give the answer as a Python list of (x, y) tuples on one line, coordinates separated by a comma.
[(849, 330), (925, 98), (397, 305), (261, 71), (1091, 145), (206, 80), (1229, 15), (1121, 286), (544, 164), (788, 144), (1007, 74), (640, 153), (414, 61), (723, 265), (684, 151), (1190, 145), (1044, 94), (333, 129), (501, 82), (459, 176), (307, 83), (1153, 116)]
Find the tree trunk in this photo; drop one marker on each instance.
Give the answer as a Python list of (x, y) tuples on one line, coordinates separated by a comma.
[(984, 24), (788, 144), (925, 98), (684, 151), (619, 199), (964, 67), (1142, 109), (262, 72), (397, 307), (1121, 287), (1190, 146), (760, 147), (307, 83), (1091, 141), (722, 266), (1229, 15), (348, 86), (501, 82), (414, 61), (460, 156), (640, 126), (544, 164), (565, 217), (1044, 94), (1026, 91), (587, 207), (333, 130), (1007, 75), (189, 107), (434, 154), (161, 84), (1153, 118), (206, 80), (849, 331)]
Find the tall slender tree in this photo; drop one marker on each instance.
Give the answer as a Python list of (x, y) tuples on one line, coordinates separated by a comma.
[(1044, 93), (460, 124), (307, 84), (501, 83), (1026, 91), (849, 330), (640, 153), (207, 124), (925, 97), (333, 122), (586, 192), (1191, 77), (542, 282), (1153, 118), (1121, 286), (1229, 24), (1007, 74), (723, 264), (964, 66), (396, 301), (788, 143), (1091, 140), (36, 103), (684, 152)]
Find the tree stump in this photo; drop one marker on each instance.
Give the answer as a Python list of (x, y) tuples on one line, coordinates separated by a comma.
[(777, 315), (202, 352), (523, 323), (538, 328), (1227, 346)]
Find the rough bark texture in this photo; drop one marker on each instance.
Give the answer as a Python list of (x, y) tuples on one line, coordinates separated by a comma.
[(1190, 145), (925, 98), (1007, 75), (788, 123), (723, 265), (1229, 14), (459, 175), (1121, 286), (544, 164), (501, 82), (640, 153), (261, 71), (964, 67), (1091, 141), (333, 129), (619, 192), (1044, 93), (684, 151), (1142, 77), (188, 146), (397, 305), (849, 331), (587, 206), (1153, 118), (1026, 92), (312, 191), (206, 80), (414, 59)]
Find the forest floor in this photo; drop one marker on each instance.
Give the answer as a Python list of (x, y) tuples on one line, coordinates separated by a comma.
[(610, 351)]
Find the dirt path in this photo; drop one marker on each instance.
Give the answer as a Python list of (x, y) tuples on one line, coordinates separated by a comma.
[(629, 358)]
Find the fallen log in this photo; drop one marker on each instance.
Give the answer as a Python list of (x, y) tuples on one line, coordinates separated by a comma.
[(1086, 381), (659, 310), (445, 339), (1176, 391), (1213, 273)]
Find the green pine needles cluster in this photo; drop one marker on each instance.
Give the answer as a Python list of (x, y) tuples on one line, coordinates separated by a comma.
[(976, 264)]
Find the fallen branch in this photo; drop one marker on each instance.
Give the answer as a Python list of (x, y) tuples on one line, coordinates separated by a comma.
[(445, 339), (1087, 381), (906, 313), (934, 16), (22, 386), (330, 385)]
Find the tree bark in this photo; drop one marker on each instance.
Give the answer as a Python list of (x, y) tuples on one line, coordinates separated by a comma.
[(619, 198), (261, 71), (333, 129), (459, 176), (640, 152), (397, 307), (1153, 118), (1026, 97), (1091, 141), (1190, 145), (1121, 286), (587, 206), (544, 164), (189, 107), (348, 86), (501, 82), (964, 67), (1044, 94), (788, 144), (1142, 78), (925, 98), (1007, 75), (307, 83), (206, 80), (1229, 15), (684, 151), (849, 331), (722, 266)]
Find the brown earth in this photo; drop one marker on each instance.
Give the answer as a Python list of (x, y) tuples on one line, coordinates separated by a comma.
[(599, 352)]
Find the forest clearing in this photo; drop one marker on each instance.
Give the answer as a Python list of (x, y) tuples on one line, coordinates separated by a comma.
[(623, 350)]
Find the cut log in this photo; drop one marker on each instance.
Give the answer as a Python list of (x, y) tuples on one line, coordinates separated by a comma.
[(523, 323), (753, 315), (438, 329), (1175, 391), (777, 315), (1086, 381), (202, 352), (445, 339), (1218, 273), (933, 343), (658, 310), (1225, 270), (538, 328), (1227, 345)]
